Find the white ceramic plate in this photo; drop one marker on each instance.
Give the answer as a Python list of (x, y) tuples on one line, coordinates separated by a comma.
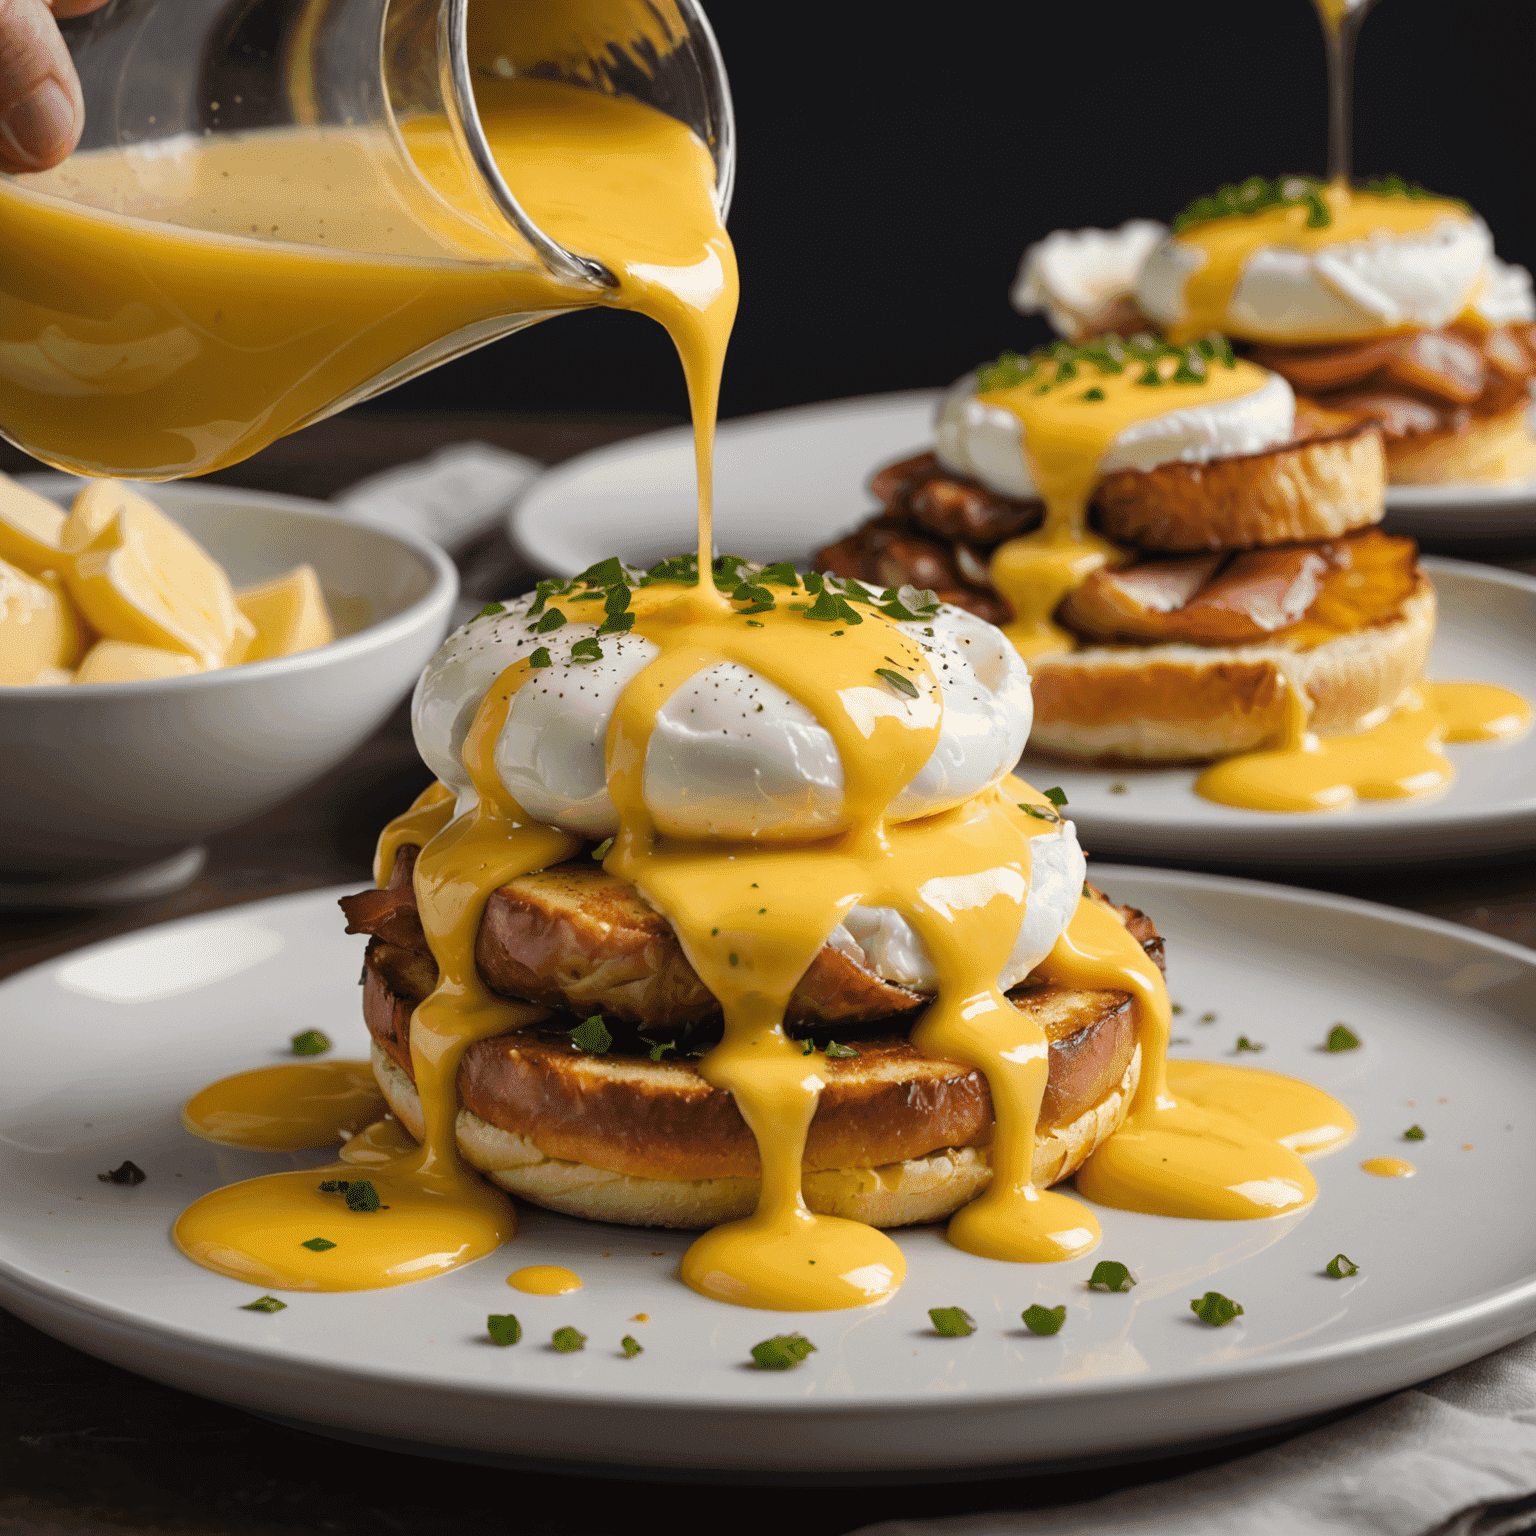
[(786, 483), (1487, 633), (1495, 516), (102, 1045)]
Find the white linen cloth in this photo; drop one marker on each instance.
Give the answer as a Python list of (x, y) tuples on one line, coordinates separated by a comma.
[(450, 497), (1455, 1456)]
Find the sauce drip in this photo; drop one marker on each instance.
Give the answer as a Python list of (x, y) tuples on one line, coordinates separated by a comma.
[(287, 1108), (1066, 437), (1396, 759), (1200, 1155), (545, 1280), (1389, 1167)]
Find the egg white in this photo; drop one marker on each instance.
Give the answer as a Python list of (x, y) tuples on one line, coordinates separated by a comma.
[(986, 442)]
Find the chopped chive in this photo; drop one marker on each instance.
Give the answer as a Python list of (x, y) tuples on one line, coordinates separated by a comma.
[(601, 851), (503, 1328), (837, 1052), (1038, 812), (898, 681), (1342, 1038), (1092, 394), (952, 1322), (318, 1244), (310, 1043), (1117, 788), (591, 1035), (1207, 1018), (567, 1341), (125, 1173), (630, 1347), (1341, 1267), (1215, 1309), (659, 1048), (265, 1304), (1110, 1275), (616, 624), (783, 1352), (754, 624), (1044, 1319), (1414, 1133), (810, 1048), (1245, 1044)]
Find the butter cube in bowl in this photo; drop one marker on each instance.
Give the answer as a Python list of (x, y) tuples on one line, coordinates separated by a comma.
[(178, 659)]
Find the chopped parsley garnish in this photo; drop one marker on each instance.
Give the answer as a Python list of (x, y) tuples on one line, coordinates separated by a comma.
[(360, 1193), (810, 1048), (1215, 1309), (1414, 1133), (1110, 1275), (1395, 186), (318, 1244), (1117, 788), (659, 1048), (630, 1347), (1245, 1044), (124, 1173), (310, 1043), (1341, 1267), (1256, 195), (586, 650), (552, 619), (541, 657), (491, 610), (1040, 1319), (601, 851), (265, 1304), (1107, 355), (898, 681), (1092, 394), (606, 573), (1039, 812), (1207, 1018), (503, 1328), (952, 1322), (1342, 1038), (783, 1352), (616, 624), (836, 1051), (592, 1035), (1057, 797), (567, 1341)]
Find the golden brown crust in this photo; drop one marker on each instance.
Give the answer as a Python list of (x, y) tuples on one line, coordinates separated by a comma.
[(660, 1119), (1480, 450), (891, 1195), (1184, 703), (1317, 488)]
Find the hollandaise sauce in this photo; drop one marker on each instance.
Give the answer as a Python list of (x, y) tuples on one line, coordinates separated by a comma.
[(1072, 406), (1390, 761), (1218, 249), (169, 309)]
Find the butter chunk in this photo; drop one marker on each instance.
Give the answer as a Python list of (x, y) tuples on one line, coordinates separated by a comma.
[(118, 661), (140, 578), (289, 613), (38, 628), (29, 529)]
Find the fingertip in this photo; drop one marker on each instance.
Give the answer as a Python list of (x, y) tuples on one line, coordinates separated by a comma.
[(42, 128)]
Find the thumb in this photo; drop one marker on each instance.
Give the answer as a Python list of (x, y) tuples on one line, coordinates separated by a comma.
[(41, 112)]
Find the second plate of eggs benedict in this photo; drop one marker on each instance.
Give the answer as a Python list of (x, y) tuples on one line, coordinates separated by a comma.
[(1381, 302)]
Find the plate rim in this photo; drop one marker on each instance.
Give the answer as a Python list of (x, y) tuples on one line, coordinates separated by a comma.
[(1425, 1328)]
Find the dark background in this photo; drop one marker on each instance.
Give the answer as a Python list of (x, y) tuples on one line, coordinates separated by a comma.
[(894, 162)]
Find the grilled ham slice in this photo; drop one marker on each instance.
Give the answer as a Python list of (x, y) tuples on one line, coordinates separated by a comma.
[(574, 937)]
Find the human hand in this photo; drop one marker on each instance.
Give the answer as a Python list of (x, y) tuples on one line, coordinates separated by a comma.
[(41, 112)]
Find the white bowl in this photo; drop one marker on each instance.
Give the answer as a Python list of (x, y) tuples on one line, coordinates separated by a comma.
[(100, 781)]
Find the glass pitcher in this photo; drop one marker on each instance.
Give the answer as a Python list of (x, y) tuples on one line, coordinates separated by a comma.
[(283, 207)]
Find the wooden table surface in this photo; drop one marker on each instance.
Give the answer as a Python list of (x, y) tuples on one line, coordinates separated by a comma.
[(88, 1448)]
